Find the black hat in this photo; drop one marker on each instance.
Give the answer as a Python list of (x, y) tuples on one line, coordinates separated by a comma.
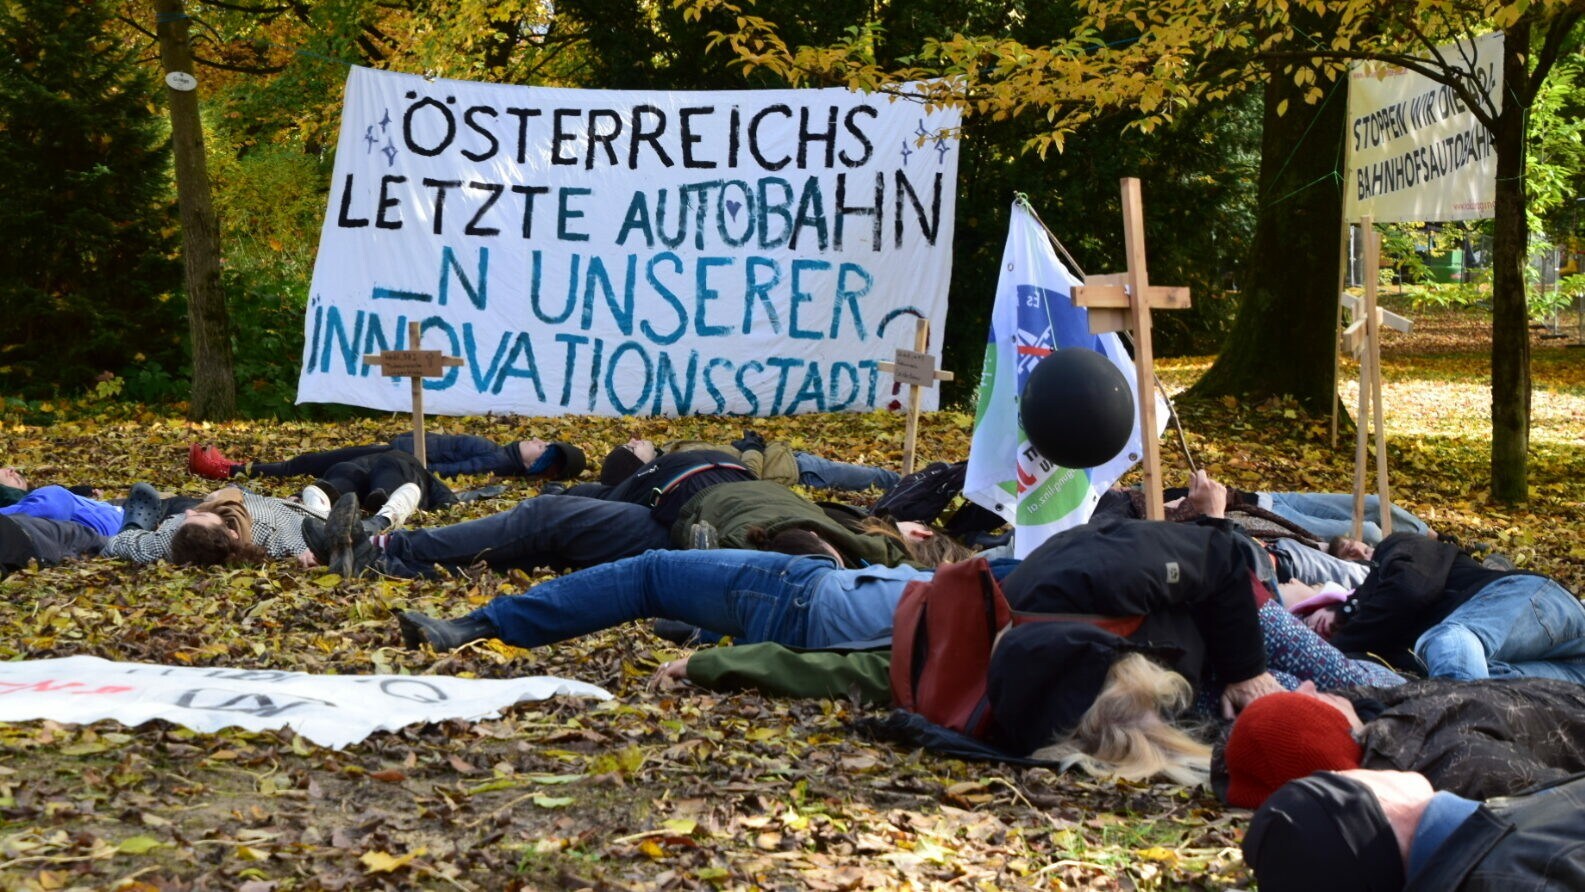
[(1044, 676), (619, 465), (1323, 832), (572, 460)]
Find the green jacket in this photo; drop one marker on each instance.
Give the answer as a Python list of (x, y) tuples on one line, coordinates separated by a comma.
[(777, 463), (734, 507), (780, 671)]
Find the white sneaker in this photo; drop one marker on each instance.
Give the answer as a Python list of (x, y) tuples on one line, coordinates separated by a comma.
[(316, 501), (400, 505)]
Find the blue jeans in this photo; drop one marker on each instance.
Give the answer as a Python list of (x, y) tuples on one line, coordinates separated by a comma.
[(1517, 626), (548, 531), (753, 596), (59, 503), (823, 473), (1329, 514)]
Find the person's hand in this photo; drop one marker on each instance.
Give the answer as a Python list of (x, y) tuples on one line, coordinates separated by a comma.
[(1208, 496), (1322, 622), (669, 675), (306, 559), (1240, 694)]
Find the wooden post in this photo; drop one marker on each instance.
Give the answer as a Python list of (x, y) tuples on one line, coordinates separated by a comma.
[(917, 369), (1118, 302), (416, 364), (1364, 338)]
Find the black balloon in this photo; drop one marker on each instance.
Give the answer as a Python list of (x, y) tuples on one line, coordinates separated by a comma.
[(1077, 409)]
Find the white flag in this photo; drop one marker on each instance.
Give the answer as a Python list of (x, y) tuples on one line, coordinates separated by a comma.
[(1034, 316)]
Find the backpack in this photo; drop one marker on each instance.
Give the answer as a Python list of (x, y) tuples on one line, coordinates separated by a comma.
[(924, 494), (943, 632)]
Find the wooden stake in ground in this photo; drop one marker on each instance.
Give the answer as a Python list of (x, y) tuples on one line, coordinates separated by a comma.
[(1123, 302), (1363, 338), (416, 364), (917, 369)]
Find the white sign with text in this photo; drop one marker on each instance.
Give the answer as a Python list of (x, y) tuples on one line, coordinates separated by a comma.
[(629, 253)]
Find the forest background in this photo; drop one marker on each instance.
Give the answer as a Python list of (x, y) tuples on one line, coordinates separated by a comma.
[(92, 284)]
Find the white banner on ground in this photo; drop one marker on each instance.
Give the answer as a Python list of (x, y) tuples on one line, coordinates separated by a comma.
[(1416, 152), (629, 253), (1033, 316), (330, 710)]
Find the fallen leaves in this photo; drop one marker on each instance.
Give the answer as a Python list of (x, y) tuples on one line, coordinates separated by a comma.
[(682, 788)]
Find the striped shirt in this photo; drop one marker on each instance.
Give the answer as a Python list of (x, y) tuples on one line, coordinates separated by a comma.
[(277, 528)]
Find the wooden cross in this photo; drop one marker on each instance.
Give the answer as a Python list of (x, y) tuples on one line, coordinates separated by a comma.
[(1363, 340), (415, 364), (1122, 302), (917, 369)]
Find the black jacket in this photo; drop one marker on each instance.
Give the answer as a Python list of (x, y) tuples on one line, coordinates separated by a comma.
[(1191, 582), (1416, 583), (1479, 739), (1517, 844)]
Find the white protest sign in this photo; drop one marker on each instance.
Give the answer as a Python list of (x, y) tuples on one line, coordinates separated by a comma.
[(330, 710), (1416, 153), (628, 253)]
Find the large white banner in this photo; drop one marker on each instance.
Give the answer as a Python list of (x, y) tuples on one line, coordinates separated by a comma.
[(330, 710), (1032, 318), (1416, 152), (629, 253)]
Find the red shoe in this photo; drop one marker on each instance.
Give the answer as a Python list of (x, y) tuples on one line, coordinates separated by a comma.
[(206, 461)]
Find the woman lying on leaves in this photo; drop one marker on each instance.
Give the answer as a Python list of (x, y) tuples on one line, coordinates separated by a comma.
[(1068, 685), (232, 526)]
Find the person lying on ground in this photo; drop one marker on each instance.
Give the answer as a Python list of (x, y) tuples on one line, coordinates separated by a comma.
[(569, 532), (58, 503), (237, 527), (1186, 589), (24, 538), (1323, 515), (1479, 739), (14, 486), (449, 455), (1428, 606), (768, 461), (1391, 831)]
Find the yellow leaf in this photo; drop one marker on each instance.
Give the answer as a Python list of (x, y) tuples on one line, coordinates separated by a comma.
[(552, 801), (652, 848), (385, 862), (138, 845)]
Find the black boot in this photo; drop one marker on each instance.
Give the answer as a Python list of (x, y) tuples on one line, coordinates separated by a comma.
[(343, 533), (314, 537), (443, 634)]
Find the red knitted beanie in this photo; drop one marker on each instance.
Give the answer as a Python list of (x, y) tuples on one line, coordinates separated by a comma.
[(1280, 737)]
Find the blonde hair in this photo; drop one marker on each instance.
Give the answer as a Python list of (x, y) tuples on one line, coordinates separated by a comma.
[(932, 552), (1127, 733)]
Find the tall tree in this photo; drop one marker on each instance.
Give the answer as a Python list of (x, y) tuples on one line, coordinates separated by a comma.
[(88, 278), (214, 392), (1156, 57)]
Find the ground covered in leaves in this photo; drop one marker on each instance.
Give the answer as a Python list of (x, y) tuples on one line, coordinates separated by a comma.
[(653, 789)]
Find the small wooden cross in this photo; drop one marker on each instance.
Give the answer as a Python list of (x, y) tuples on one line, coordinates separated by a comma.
[(415, 364), (1123, 302), (1363, 340), (917, 369)]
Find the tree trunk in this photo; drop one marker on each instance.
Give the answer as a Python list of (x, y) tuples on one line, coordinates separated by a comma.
[(214, 394), (1281, 341), (1510, 318)]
